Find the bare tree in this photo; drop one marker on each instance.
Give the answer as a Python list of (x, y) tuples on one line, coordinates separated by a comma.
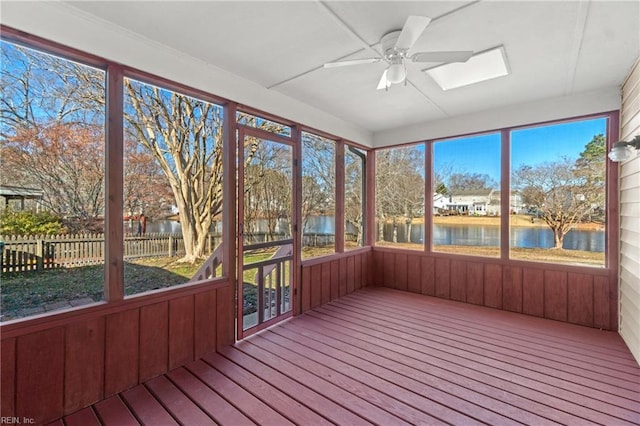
[(353, 194), (146, 189), (469, 181), (562, 196), (318, 177), (66, 161), (184, 135), (40, 89), (399, 187), (267, 186)]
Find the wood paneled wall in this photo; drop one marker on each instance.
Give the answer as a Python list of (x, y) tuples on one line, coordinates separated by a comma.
[(52, 369), (549, 291), (328, 278), (630, 217)]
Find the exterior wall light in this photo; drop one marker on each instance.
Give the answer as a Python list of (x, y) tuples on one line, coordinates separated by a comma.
[(622, 150)]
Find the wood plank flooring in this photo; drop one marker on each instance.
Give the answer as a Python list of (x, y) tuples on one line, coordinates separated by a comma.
[(381, 356)]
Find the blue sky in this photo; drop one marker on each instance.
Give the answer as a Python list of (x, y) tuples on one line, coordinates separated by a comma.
[(481, 154), (477, 154)]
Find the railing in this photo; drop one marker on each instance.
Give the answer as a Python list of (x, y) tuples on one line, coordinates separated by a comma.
[(40, 252), (271, 281), (208, 268)]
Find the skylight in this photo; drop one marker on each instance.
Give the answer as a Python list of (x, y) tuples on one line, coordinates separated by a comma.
[(480, 67)]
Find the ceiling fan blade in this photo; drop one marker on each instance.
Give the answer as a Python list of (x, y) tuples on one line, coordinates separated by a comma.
[(384, 83), (455, 56), (351, 62), (413, 27)]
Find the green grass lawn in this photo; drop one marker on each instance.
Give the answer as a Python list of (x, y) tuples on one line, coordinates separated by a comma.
[(34, 292), (28, 293)]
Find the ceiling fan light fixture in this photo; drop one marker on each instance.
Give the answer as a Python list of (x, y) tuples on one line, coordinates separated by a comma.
[(396, 73)]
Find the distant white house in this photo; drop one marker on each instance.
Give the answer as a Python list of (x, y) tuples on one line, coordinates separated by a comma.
[(484, 202)]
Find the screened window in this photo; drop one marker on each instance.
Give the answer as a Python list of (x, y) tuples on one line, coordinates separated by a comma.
[(173, 176), (354, 197), (52, 127), (466, 195), (558, 190), (400, 197), (318, 195)]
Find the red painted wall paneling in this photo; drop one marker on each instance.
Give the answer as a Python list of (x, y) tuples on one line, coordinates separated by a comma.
[(351, 275), (7, 377), (401, 272), (493, 285), (512, 289), (414, 263), (601, 304), (181, 336), (84, 359), (475, 283), (305, 288), (154, 340), (40, 375), (533, 292), (326, 283), (555, 295), (427, 276), (442, 278), (335, 279), (342, 276), (580, 299), (121, 351), (205, 323), (316, 285), (388, 270), (458, 289)]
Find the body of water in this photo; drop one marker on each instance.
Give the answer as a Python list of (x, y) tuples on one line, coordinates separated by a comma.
[(469, 235), (486, 235)]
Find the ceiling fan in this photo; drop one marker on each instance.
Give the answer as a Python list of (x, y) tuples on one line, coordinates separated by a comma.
[(395, 48)]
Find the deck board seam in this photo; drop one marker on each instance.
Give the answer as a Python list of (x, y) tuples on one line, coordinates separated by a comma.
[(507, 332), (450, 394), (504, 379), (498, 389), (286, 390), (470, 341), (397, 300), (391, 385), (512, 369), (342, 304), (344, 378), (335, 400), (211, 364)]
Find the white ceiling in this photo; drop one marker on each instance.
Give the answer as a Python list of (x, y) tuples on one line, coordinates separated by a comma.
[(554, 49)]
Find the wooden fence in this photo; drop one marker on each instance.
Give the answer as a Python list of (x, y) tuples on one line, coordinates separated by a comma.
[(39, 252)]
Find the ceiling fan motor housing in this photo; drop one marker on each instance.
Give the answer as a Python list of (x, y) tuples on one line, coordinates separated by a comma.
[(388, 42)]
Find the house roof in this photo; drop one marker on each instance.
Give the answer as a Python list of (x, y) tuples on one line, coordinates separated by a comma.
[(17, 192), (566, 58)]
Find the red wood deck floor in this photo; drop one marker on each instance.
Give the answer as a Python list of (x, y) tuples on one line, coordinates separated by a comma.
[(388, 357)]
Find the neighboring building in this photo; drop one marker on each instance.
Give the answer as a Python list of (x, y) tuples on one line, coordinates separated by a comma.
[(516, 205), (483, 202), (471, 202), (20, 194)]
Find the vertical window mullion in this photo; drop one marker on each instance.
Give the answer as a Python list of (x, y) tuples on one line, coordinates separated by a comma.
[(339, 225), (114, 243), (505, 193)]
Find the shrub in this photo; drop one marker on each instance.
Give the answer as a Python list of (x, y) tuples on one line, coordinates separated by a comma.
[(29, 223)]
